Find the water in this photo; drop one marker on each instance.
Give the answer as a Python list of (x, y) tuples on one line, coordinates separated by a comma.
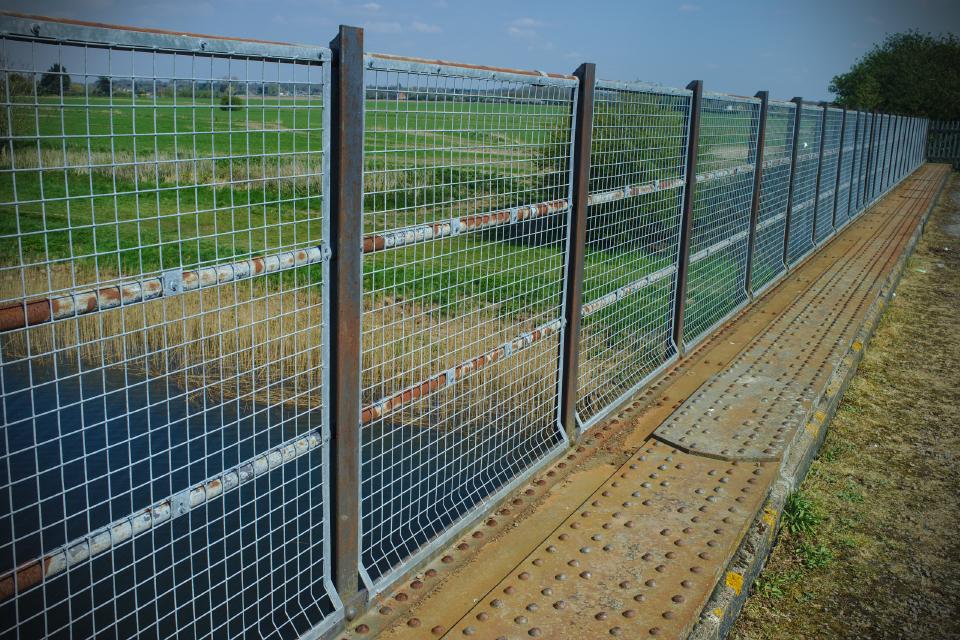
[(87, 446)]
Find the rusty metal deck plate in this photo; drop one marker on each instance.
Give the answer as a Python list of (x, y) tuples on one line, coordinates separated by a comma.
[(636, 559), (751, 410), (640, 556)]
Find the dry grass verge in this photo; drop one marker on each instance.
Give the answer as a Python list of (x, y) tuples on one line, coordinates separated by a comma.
[(876, 552)]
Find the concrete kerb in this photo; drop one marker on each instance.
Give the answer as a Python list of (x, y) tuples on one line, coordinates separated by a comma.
[(730, 593)]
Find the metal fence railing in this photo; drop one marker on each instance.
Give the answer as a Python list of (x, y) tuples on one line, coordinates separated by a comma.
[(943, 142), (278, 321), (162, 366)]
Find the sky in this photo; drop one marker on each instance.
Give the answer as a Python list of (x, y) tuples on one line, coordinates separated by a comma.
[(790, 48)]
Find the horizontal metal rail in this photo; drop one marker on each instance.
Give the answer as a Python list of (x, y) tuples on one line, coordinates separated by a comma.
[(106, 538), (172, 282), (414, 392), (451, 376), (86, 301)]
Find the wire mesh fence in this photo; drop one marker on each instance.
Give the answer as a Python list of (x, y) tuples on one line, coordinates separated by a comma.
[(804, 202), (830, 158), (161, 231), (721, 213), (943, 143), (637, 175), (165, 298), (768, 258), (461, 324)]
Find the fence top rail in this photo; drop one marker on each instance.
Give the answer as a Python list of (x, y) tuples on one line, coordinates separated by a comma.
[(95, 34), (389, 62), (716, 95), (783, 103), (640, 87)]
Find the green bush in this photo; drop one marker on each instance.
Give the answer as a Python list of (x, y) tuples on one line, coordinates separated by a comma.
[(231, 102)]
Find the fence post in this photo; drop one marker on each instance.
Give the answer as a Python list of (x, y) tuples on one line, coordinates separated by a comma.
[(816, 191), (867, 179), (576, 247), (793, 180), (836, 186), (757, 183), (346, 300), (854, 164), (686, 220)]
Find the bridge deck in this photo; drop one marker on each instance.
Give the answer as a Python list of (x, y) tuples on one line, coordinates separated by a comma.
[(628, 536)]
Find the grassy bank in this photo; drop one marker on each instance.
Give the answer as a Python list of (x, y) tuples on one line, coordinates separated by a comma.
[(869, 546)]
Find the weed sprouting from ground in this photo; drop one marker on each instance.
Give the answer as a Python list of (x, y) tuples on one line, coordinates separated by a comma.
[(799, 514)]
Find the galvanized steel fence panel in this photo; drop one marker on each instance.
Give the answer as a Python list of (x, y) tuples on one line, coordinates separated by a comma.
[(162, 362), (805, 183), (637, 176), (943, 142), (859, 168), (845, 181), (726, 161), (466, 200), (828, 174), (768, 258)]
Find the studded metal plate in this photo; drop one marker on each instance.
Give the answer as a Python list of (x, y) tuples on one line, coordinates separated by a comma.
[(751, 410), (638, 559)]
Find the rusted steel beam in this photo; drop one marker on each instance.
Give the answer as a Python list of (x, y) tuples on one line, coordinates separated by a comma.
[(111, 536), (576, 247), (793, 179), (686, 220), (757, 183), (346, 308), (85, 301), (412, 393), (101, 25), (479, 67), (836, 184), (823, 132)]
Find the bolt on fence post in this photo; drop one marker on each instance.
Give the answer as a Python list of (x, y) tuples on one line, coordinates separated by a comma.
[(686, 220), (757, 183), (346, 300), (793, 180), (816, 190), (576, 247), (836, 185)]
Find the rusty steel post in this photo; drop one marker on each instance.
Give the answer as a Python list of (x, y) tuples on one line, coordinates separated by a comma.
[(346, 305), (853, 165), (836, 184), (576, 246), (867, 179), (686, 221), (816, 191), (793, 180), (757, 182)]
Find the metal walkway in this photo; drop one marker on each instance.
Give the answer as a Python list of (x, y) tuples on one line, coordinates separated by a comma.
[(628, 535)]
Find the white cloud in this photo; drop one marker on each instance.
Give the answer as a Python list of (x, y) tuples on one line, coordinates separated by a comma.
[(383, 27), (524, 28), (441, 4), (689, 8), (372, 7), (423, 27)]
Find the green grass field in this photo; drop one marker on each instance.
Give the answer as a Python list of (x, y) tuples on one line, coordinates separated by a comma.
[(127, 186)]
